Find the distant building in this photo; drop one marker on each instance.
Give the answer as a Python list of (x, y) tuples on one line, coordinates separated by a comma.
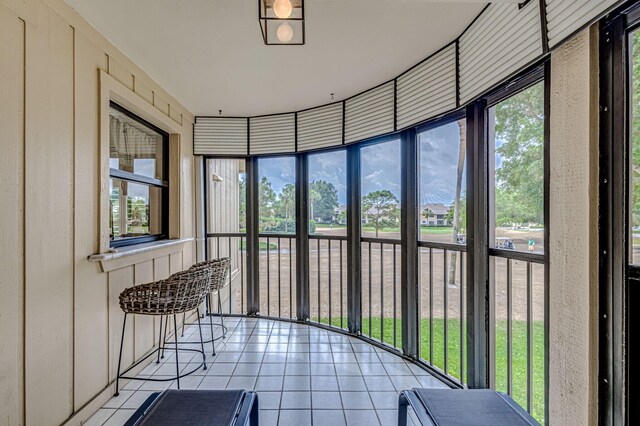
[(434, 214)]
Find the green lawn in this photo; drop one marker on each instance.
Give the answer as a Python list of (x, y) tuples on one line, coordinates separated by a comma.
[(262, 246), (436, 230), (519, 353)]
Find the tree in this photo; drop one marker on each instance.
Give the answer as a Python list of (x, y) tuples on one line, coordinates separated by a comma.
[(314, 196), (266, 203), (342, 217), (286, 204), (242, 210), (519, 126), (457, 204), (381, 207), (327, 201)]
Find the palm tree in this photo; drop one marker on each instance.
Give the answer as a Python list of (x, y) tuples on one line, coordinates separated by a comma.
[(456, 206)]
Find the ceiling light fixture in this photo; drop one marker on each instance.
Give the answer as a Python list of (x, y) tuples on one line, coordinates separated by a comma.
[(282, 22), (282, 8), (284, 33)]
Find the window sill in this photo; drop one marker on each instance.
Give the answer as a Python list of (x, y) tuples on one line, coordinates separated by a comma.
[(125, 256)]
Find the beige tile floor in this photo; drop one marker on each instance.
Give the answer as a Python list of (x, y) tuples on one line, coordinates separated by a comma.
[(303, 375)]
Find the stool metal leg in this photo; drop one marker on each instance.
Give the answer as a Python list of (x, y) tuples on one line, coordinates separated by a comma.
[(160, 346), (221, 316), (213, 344), (164, 339), (175, 328), (204, 357), (124, 324)]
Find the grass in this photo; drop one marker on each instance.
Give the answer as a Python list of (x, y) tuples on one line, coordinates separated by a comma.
[(519, 352), (423, 229), (262, 246)]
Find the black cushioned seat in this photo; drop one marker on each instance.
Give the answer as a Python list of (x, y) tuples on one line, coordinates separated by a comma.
[(201, 408), (462, 407)]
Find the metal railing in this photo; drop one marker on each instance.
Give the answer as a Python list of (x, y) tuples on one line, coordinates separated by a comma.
[(381, 298), (277, 275), (232, 245), (328, 280), (517, 327), (442, 287)]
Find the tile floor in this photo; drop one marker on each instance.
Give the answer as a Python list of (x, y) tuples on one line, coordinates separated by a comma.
[(304, 375)]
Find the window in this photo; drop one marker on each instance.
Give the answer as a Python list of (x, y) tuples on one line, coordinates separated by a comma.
[(327, 201), (516, 177), (226, 218), (380, 188), (328, 193), (516, 142), (381, 250), (442, 183), (277, 230), (138, 175)]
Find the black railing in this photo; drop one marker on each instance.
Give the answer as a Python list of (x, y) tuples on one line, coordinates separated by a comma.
[(232, 245), (277, 275), (328, 280), (442, 308), (516, 330), (381, 277)]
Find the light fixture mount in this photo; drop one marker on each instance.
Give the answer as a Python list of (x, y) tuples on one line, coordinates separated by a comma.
[(282, 22)]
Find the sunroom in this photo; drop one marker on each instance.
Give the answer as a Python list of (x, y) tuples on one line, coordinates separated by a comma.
[(338, 210)]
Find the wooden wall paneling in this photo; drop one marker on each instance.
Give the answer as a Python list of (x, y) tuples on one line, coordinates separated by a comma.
[(91, 350), (118, 281), (175, 262), (161, 268), (12, 213), (161, 271), (49, 220), (144, 324), (144, 91), (175, 114), (120, 73), (161, 103)]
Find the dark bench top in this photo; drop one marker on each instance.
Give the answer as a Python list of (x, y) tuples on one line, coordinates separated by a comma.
[(479, 407), (193, 407)]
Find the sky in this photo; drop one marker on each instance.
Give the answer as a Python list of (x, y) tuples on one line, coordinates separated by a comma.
[(380, 167)]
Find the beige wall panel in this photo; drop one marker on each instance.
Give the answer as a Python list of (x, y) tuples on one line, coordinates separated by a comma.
[(11, 214), (118, 281), (49, 219), (161, 103), (144, 327), (161, 268), (175, 114), (120, 73), (189, 255), (175, 262), (144, 91), (91, 295)]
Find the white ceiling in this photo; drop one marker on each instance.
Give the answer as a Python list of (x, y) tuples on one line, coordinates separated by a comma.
[(209, 54)]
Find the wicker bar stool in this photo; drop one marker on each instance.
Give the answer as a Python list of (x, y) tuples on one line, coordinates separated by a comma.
[(218, 270), (180, 293)]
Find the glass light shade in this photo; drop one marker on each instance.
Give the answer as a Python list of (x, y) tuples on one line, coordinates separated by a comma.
[(285, 33), (282, 8)]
